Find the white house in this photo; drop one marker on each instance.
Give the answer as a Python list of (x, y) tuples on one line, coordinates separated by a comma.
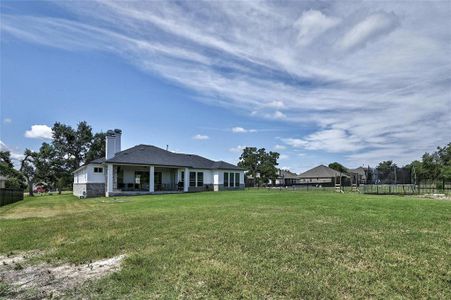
[(146, 169)]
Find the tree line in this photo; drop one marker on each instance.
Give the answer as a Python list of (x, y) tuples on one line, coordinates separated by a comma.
[(54, 162), (261, 167), (435, 166)]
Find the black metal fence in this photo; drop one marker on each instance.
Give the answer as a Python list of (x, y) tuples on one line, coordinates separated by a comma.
[(8, 196), (423, 187)]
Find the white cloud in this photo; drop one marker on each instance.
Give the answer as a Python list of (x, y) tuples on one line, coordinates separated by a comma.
[(357, 76), (14, 155), (283, 156), (280, 147), (237, 149), (370, 28), (200, 137), (39, 132), (277, 115), (330, 140), (297, 143), (7, 120), (242, 130), (312, 24)]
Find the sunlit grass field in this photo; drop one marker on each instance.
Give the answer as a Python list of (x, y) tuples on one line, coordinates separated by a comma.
[(244, 244)]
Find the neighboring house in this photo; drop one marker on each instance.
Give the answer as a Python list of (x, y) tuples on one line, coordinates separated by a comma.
[(2, 181), (358, 175), (322, 175), (286, 178), (146, 169)]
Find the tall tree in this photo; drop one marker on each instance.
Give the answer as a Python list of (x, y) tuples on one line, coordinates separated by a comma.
[(268, 165), (27, 169), (48, 168), (72, 144), (249, 161), (258, 161), (96, 147)]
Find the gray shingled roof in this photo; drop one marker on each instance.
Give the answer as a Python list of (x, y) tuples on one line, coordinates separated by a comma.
[(97, 161), (321, 171), (151, 155), (286, 174), (359, 170)]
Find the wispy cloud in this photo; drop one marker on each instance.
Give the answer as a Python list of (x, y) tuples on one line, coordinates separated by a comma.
[(311, 24), (242, 130), (370, 28), (237, 149), (280, 147), (39, 132), (7, 120), (14, 154), (200, 137), (364, 79)]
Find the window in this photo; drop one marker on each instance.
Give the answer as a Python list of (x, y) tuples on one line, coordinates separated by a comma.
[(192, 178), (183, 176), (200, 178), (226, 179), (232, 181), (98, 170), (237, 179)]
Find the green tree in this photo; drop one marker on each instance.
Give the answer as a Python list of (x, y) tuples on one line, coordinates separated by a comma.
[(70, 149), (386, 171), (338, 167), (72, 144), (96, 147), (28, 170), (258, 161), (14, 180), (249, 161), (268, 165), (48, 168)]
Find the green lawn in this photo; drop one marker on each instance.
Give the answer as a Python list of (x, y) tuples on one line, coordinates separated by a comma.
[(251, 244)]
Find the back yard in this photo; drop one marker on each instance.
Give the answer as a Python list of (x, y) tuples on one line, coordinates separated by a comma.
[(251, 244)]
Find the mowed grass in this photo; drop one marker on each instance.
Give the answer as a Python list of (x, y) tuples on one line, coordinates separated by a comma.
[(249, 244)]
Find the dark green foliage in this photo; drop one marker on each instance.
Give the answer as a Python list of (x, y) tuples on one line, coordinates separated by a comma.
[(15, 179), (385, 171), (338, 167), (70, 148), (28, 170), (433, 166), (259, 164)]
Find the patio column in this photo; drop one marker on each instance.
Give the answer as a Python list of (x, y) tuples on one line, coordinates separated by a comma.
[(186, 182), (109, 180), (151, 179)]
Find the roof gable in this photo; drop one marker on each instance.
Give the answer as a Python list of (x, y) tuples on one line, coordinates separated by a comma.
[(321, 171)]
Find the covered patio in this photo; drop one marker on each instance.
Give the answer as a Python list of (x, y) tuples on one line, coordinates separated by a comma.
[(123, 179)]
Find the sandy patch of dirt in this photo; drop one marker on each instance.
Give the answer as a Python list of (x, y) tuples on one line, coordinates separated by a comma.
[(47, 281), (14, 259), (436, 196), (21, 212)]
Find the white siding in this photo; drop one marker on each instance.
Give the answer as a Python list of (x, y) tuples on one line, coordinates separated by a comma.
[(86, 174), (81, 176), (95, 177)]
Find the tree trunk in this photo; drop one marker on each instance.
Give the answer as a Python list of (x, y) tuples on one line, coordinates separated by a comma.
[(30, 187)]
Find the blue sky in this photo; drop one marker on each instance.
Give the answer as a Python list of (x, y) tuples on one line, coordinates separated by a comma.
[(355, 82)]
